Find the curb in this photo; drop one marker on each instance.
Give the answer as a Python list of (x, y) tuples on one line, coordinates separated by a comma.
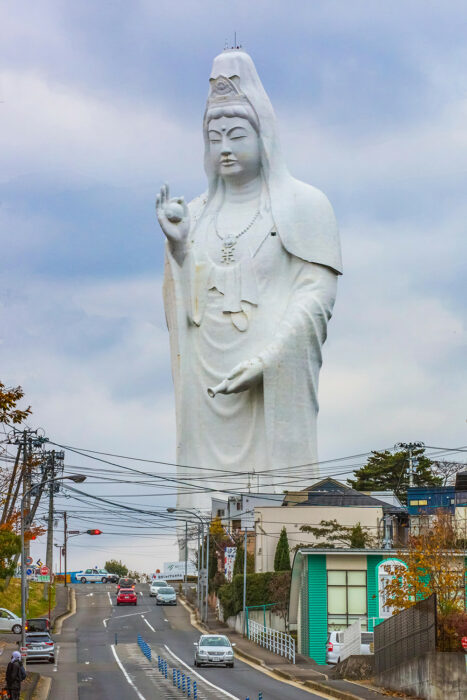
[(334, 692), (42, 689), (64, 616)]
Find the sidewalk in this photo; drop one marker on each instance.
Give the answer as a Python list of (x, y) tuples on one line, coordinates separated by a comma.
[(305, 670)]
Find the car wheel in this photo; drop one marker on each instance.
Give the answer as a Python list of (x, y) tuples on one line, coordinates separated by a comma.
[(118, 603), (195, 663), (16, 629), (52, 660), (104, 580), (83, 579), (230, 665)]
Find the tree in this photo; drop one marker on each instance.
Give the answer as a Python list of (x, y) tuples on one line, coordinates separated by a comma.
[(386, 471), (10, 546), (353, 536), (447, 470), (9, 413), (282, 555), (432, 563), (116, 567), (239, 560)]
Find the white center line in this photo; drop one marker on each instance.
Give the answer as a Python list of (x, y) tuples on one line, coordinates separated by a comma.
[(148, 624), (110, 599), (127, 677), (193, 672)]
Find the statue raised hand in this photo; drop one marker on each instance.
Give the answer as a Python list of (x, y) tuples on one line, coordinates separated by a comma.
[(174, 220)]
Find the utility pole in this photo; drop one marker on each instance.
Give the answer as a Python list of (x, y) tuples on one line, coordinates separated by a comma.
[(410, 446), (65, 546), (207, 570), (186, 553), (244, 578), (50, 525)]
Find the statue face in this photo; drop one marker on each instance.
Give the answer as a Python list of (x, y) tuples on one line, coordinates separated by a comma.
[(234, 148)]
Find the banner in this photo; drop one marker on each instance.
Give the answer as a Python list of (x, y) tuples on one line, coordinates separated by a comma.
[(229, 560)]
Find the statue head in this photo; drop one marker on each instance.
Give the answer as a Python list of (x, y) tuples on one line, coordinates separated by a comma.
[(231, 128)]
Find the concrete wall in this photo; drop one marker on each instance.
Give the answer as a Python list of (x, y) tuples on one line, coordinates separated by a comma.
[(435, 675), (272, 621), (270, 519)]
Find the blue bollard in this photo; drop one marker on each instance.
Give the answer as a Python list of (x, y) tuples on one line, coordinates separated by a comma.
[(159, 662), (195, 690), (178, 678), (188, 687), (165, 669), (183, 683), (174, 673), (260, 696)]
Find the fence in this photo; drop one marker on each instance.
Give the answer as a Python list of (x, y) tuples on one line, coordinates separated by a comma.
[(277, 642), (406, 635)]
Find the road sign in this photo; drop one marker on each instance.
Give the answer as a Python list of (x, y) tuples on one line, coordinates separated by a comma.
[(43, 579), (29, 572), (464, 643), (39, 563), (29, 561), (73, 532), (23, 651), (44, 571)]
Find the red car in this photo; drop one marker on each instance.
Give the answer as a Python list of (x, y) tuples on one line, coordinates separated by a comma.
[(127, 596)]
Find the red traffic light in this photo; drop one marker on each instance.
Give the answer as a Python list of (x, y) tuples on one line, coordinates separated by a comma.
[(94, 532)]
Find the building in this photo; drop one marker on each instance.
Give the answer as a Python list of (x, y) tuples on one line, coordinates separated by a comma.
[(326, 500), (331, 589)]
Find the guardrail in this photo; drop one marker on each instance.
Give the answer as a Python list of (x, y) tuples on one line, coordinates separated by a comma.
[(278, 642)]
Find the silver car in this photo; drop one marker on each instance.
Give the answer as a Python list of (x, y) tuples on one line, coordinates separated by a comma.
[(155, 586), (166, 596), (214, 650), (40, 647), (336, 640), (9, 622)]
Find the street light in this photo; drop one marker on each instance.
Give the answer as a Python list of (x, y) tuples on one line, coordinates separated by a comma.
[(200, 559), (77, 479)]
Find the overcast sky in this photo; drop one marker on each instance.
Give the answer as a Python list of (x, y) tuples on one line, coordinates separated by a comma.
[(102, 102)]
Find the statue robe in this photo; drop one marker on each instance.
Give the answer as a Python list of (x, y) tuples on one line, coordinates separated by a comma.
[(287, 289)]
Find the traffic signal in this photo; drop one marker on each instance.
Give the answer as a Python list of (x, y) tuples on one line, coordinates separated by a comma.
[(94, 532)]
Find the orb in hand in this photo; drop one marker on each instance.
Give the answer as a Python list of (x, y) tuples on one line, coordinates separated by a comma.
[(174, 212)]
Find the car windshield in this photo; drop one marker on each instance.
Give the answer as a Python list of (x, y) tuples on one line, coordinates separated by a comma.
[(38, 638), (166, 589), (126, 590), (214, 642)]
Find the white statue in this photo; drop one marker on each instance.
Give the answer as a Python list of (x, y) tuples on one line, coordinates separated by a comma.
[(250, 282)]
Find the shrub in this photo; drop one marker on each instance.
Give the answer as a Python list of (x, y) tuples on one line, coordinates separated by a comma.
[(451, 628), (261, 589)]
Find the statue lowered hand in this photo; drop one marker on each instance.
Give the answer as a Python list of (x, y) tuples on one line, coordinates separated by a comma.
[(174, 220), (241, 378)]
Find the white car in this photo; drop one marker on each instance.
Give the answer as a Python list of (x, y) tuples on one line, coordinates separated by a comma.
[(93, 576), (166, 596), (214, 650), (9, 622), (336, 640), (156, 586)]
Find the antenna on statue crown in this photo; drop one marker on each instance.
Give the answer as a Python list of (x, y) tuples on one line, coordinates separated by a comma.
[(235, 44)]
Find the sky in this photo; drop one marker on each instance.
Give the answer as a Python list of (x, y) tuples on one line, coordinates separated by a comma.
[(100, 103)]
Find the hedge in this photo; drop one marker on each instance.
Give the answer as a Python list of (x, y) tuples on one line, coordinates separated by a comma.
[(258, 591)]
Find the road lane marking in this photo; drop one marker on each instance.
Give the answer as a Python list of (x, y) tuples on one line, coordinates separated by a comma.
[(105, 620), (110, 599), (57, 651), (141, 593), (148, 624), (192, 671), (127, 677)]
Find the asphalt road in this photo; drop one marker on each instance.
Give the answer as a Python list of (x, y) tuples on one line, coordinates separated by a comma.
[(98, 657)]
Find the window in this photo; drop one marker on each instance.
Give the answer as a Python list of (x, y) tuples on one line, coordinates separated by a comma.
[(386, 572), (220, 513), (423, 503), (347, 598), (414, 503)]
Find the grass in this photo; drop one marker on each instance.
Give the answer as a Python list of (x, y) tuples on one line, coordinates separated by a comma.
[(11, 599)]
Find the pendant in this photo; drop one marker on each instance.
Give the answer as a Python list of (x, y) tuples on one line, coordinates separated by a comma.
[(228, 250)]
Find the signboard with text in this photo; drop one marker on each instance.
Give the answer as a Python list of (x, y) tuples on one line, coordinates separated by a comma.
[(229, 560), (178, 567)]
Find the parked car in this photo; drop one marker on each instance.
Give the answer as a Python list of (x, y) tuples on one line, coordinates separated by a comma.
[(9, 622), (127, 596), (336, 640), (40, 647), (125, 583), (37, 624), (214, 650), (166, 596), (93, 576), (155, 586)]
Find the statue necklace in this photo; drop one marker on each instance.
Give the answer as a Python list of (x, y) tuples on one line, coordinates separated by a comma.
[(230, 241)]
